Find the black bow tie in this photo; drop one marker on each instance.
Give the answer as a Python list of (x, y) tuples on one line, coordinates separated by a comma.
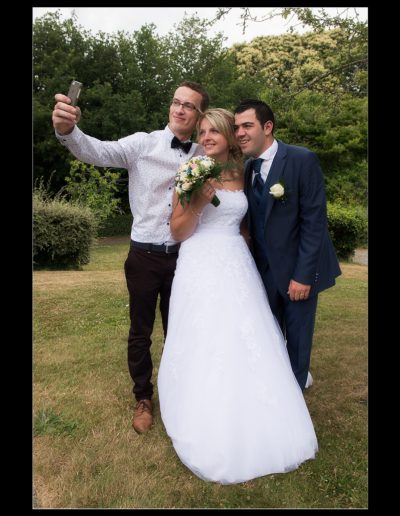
[(185, 146)]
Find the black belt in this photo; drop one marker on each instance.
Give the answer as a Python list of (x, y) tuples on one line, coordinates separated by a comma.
[(158, 248)]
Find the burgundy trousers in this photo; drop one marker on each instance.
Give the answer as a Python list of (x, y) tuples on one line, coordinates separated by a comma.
[(148, 275)]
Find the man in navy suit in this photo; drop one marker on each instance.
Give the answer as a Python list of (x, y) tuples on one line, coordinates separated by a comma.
[(288, 227)]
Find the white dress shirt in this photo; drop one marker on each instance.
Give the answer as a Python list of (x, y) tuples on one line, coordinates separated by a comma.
[(151, 164), (268, 157)]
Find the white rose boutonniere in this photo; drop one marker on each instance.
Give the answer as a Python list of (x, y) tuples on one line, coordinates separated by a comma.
[(278, 191)]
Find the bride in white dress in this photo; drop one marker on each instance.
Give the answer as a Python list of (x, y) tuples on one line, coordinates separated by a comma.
[(229, 400)]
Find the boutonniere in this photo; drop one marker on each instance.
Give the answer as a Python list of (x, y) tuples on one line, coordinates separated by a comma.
[(278, 191)]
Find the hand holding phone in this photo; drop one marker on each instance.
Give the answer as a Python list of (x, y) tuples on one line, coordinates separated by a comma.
[(74, 92)]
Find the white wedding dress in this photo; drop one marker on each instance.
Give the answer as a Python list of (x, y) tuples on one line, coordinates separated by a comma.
[(228, 397)]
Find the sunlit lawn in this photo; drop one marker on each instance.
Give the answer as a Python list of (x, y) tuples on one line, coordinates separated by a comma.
[(86, 454)]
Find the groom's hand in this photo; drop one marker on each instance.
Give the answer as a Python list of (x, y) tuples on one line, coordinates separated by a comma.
[(65, 116), (298, 291)]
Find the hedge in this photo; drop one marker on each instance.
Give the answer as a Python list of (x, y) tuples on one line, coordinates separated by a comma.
[(62, 233)]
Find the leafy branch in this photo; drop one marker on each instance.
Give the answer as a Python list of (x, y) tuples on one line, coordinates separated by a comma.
[(320, 78)]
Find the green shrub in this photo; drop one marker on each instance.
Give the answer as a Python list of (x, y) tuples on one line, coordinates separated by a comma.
[(89, 187), (62, 233), (118, 225), (348, 186), (348, 228)]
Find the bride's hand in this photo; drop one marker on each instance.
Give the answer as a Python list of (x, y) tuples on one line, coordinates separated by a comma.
[(208, 190), (202, 197)]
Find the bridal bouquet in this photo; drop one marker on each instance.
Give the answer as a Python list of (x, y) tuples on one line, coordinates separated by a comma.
[(193, 174)]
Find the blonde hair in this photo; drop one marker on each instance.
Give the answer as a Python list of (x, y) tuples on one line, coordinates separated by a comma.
[(223, 120)]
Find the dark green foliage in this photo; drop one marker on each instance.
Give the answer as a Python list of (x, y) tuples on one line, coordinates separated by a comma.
[(119, 225), (336, 130), (347, 228), (108, 115), (89, 187), (62, 233), (227, 86), (349, 185)]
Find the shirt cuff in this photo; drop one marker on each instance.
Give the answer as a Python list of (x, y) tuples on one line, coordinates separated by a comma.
[(71, 137)]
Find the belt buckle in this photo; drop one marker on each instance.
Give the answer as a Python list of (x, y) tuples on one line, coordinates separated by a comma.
[(166, 248)]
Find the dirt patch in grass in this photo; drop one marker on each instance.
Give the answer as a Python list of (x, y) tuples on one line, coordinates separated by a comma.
[(354, 271), (58, 280)]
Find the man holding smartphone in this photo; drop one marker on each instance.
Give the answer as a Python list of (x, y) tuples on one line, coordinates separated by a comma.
[(152, 160)]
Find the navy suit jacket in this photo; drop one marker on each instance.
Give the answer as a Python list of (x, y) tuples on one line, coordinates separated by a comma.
[(297, 242)]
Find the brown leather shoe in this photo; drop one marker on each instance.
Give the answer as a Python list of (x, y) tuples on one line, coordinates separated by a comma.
[(143, 416)]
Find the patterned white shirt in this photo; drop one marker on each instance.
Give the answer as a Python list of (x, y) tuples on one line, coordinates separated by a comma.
[(151, 164)]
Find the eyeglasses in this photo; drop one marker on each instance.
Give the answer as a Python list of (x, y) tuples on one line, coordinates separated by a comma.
[(187, 106)]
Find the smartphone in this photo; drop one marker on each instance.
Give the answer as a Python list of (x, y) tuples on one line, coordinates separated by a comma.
[(74, 92)]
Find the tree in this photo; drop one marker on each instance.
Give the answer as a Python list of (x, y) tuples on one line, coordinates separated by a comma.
[(336, 130), (351, 52), (59, 51)]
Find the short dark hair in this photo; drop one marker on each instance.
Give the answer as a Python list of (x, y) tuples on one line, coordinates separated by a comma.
[(205, 99), (263, 111)]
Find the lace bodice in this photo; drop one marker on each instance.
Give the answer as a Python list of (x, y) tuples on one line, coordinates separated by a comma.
[(227, 215)]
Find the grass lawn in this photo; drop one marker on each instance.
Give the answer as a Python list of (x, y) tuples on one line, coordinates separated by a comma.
[(86, 454)]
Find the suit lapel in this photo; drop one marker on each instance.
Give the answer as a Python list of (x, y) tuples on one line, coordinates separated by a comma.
[(274, 175), (247, 176), (247, 186)]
